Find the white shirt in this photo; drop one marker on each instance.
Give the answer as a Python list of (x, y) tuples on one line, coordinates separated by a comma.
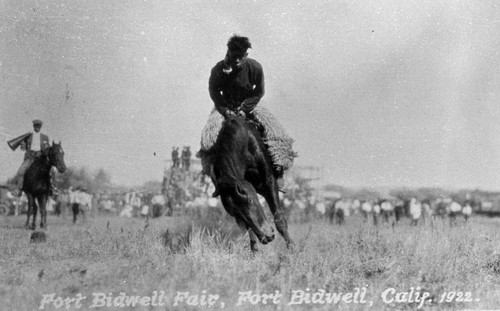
[(145, 210), (455, 207), (386, 206), (158, 199), (35, 141), (467, 210), (366, 207), (73, 196), (415, 209)]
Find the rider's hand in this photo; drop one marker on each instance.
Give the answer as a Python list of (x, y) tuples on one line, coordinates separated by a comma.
[(229, 113), (242, 113)]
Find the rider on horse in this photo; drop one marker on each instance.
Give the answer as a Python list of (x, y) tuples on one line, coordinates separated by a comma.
[(236, 86), (236, 83), (36, 145)]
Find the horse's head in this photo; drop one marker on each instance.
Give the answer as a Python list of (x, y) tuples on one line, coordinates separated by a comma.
[(240, 201), (56, 157)]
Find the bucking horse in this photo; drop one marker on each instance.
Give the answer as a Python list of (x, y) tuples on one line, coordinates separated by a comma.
[(243, 168), (36, 183)]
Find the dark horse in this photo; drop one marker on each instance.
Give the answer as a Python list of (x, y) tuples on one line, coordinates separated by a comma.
[(242, 168), (36, 183)]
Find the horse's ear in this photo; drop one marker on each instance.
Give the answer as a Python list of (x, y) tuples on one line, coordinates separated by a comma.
[(53, 143)]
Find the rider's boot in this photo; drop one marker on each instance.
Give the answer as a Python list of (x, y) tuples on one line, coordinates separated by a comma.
[(281, 183), (279, 172)]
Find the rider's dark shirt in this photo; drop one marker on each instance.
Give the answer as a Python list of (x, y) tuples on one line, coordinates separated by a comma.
[(229, 90)]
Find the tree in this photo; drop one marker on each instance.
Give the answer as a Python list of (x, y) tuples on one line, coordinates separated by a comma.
[(76, 177), (102, 181)]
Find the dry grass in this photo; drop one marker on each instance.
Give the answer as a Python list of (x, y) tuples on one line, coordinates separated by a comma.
[(203, 253)]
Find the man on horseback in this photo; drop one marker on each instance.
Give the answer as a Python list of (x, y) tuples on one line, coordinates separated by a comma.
[(36, 145), (236, 86)]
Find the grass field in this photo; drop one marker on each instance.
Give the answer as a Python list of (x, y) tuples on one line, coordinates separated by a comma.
[(200, 263)]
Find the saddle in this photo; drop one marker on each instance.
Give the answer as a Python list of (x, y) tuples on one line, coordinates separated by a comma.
[(278, 142)]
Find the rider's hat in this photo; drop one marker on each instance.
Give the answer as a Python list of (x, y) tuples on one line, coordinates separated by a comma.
[(37, 122)]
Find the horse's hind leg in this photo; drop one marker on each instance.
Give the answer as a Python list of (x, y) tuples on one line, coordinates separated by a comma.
[(42, 203), (278, 212), (282, 226), (34, 211), (30, 211)]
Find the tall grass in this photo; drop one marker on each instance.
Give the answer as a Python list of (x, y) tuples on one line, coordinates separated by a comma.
[(207, 252), (212, 222)]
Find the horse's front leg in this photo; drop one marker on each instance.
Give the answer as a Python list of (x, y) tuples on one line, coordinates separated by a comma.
[(270, 193), (253, 241), (42, 204), (253, 237), (30, 211), (34, 211)]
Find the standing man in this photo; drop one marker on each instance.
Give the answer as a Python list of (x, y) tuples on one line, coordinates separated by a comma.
[(36, 144), (186, 158), (74, 199), (175, 157)]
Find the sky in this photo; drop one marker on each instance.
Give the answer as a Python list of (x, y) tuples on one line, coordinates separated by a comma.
[(375, 93)]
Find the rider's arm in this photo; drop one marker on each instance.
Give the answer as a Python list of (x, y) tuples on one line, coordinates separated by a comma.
[(24, 143), (215, 91), (258, 91)]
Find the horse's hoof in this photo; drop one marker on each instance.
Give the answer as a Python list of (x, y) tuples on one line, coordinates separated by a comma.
[(255, 249), (256, 252)]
